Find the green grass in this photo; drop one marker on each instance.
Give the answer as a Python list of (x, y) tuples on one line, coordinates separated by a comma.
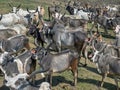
[(88, 77)]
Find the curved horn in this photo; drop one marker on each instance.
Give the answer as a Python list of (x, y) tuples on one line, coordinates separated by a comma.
[(28, 10), (104, 45), (36, 10), (10, 5), (63, 14), (19, 6), (1, 17), (69, 2)]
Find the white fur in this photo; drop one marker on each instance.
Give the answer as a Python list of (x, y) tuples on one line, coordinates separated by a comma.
[(2, 56), (117, 29), (93, 58), (98, 69), (44, 86), (19, 28), (27, 65), (57, 15), (39, 8), (20, 65), (42, 74), (9, 19), (11, 80), (2, 27), (83, 15)]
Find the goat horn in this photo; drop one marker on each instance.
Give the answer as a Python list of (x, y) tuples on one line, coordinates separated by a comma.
[(19, 6), (95, 48), (10, 5), (36, 10), (28, 10), (69, 2), (1, 17), (63, 14)]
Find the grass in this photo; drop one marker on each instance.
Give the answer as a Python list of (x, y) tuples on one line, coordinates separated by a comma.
[(88, 77)]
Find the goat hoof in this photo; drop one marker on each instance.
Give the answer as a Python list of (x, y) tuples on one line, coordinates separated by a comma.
[(99, 88), (99, 84)]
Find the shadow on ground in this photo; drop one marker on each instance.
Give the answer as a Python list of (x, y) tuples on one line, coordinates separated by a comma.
[(4, 88), (55, 81), (106, 85)]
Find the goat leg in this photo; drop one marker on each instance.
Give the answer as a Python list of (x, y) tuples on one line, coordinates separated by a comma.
[(102, 81), (34, 73), (51, 79), (116, 81), (92, 28), (74, 67)]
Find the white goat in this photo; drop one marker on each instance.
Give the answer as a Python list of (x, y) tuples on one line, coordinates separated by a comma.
[(9, 19)]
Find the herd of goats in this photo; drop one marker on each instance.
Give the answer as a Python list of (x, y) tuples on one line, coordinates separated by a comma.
[(59, 43)]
